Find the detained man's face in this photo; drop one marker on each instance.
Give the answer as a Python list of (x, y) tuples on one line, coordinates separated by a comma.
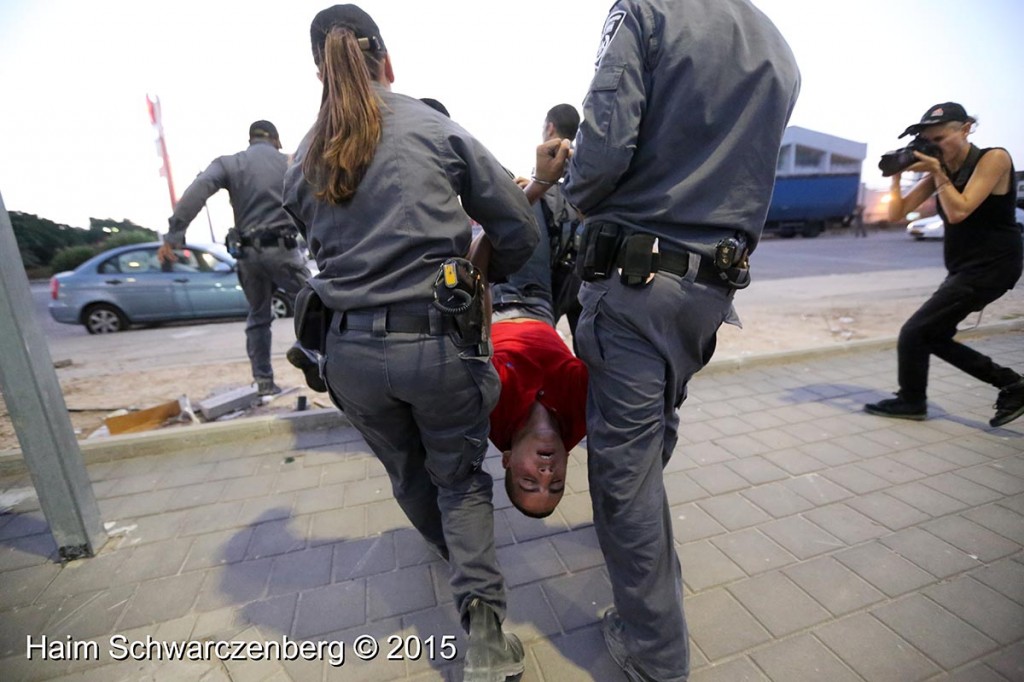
[(535, 465)]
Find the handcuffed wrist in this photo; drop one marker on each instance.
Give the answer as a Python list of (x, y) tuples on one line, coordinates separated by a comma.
[(546, 183)]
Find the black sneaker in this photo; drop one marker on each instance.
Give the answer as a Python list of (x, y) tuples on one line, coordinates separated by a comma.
[(1009, 405), (899, 408), (612, 629), (305, 360), (492, 655), (266, 386)]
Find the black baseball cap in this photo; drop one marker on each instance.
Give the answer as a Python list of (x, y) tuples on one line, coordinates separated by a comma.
[(345, 16), (264, 129), (939, 113)]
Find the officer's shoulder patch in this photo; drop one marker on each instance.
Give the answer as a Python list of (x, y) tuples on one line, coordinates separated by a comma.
[(611, 27)]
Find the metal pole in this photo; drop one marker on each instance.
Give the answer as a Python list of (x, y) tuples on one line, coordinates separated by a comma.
[(209, 220), (40, 417)]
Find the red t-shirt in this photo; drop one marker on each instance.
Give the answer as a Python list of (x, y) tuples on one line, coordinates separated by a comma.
[(534, 364)]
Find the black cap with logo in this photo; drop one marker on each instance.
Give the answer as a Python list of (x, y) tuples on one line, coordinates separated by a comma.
[(939, 113)]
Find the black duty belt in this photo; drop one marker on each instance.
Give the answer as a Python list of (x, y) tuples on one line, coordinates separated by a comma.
[(678, 263), (383, 320), (264, 240)]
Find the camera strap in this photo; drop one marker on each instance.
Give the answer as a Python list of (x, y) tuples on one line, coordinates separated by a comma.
[(966, 171)]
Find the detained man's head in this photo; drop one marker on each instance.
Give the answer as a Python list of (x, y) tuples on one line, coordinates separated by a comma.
[(535, 465)]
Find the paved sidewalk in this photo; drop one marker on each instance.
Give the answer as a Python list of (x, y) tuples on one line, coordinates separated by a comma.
[(817, 543)]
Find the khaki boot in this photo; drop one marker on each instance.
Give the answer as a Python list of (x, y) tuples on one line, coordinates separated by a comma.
[(493, 656)]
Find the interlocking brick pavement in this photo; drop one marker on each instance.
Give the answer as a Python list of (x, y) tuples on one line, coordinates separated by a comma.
[(817, 542)]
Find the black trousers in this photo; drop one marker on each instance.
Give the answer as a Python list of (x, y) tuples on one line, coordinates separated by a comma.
[(931, 329)]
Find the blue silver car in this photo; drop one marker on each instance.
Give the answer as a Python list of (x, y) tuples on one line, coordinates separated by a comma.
[(129, 285)]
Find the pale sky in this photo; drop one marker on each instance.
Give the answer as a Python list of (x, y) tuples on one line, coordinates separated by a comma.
[(75, 76)]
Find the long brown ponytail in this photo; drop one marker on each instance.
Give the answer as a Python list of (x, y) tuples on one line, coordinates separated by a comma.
[(348, 127)]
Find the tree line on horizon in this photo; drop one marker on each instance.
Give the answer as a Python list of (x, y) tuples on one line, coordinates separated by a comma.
[(47, 247)]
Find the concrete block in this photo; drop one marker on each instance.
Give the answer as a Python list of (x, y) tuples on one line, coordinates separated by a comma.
[(227, 402)]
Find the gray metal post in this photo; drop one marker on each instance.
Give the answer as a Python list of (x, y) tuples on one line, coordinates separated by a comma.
[(36, 405)]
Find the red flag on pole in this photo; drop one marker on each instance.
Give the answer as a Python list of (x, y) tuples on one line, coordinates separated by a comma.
[(155, 117)]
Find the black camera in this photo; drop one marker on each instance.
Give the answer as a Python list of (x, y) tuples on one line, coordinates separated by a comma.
[(899, 159)]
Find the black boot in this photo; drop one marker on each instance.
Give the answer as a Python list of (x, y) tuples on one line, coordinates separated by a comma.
[(612, 628), (1009, 405), (899, 408), (493, 656)]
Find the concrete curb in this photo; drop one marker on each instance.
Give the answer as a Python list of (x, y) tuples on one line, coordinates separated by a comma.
[(288, 425), (195, 437), (864, 345)]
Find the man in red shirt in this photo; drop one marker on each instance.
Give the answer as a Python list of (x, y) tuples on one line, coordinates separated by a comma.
[(541, 413)]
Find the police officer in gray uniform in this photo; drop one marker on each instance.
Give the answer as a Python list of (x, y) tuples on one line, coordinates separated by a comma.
[(268, 257), (673, 168), (376, 190)]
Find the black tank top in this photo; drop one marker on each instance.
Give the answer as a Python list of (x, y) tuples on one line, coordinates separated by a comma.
[(987, 244)]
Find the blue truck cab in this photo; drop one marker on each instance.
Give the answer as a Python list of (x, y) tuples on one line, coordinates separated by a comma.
[(817, 183)]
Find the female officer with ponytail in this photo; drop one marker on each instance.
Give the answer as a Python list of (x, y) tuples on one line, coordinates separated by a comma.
[(381, 189)]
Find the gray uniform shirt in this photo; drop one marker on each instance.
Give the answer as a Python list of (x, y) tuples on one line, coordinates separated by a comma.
[(670, 143), (386, 244), (254, 178)]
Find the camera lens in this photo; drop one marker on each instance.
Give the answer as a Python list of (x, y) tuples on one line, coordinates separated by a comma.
[(895, 161)]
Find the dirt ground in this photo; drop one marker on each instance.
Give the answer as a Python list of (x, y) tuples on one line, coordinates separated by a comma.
[(767, 329)]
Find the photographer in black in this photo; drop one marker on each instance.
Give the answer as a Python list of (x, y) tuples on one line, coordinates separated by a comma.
[(976, 195)]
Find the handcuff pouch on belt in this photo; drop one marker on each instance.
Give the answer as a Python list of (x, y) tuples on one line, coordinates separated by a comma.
[(599, 249), (458, 293), (607, 248), (312, 319)]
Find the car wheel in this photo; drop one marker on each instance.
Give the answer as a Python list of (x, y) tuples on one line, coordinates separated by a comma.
[(102, 318), (279, 306)]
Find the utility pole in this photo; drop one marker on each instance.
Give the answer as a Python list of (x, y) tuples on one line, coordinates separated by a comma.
[(39, 414)]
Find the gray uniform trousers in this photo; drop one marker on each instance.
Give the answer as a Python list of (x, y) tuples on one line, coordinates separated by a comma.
[(424, 411), (641, 346), (261, 271)]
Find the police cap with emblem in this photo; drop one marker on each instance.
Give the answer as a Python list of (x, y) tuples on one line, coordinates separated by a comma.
[(344, 16)]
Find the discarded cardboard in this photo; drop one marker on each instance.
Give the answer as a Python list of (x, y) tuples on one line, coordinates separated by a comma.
[(143, 420), (224, 403)]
